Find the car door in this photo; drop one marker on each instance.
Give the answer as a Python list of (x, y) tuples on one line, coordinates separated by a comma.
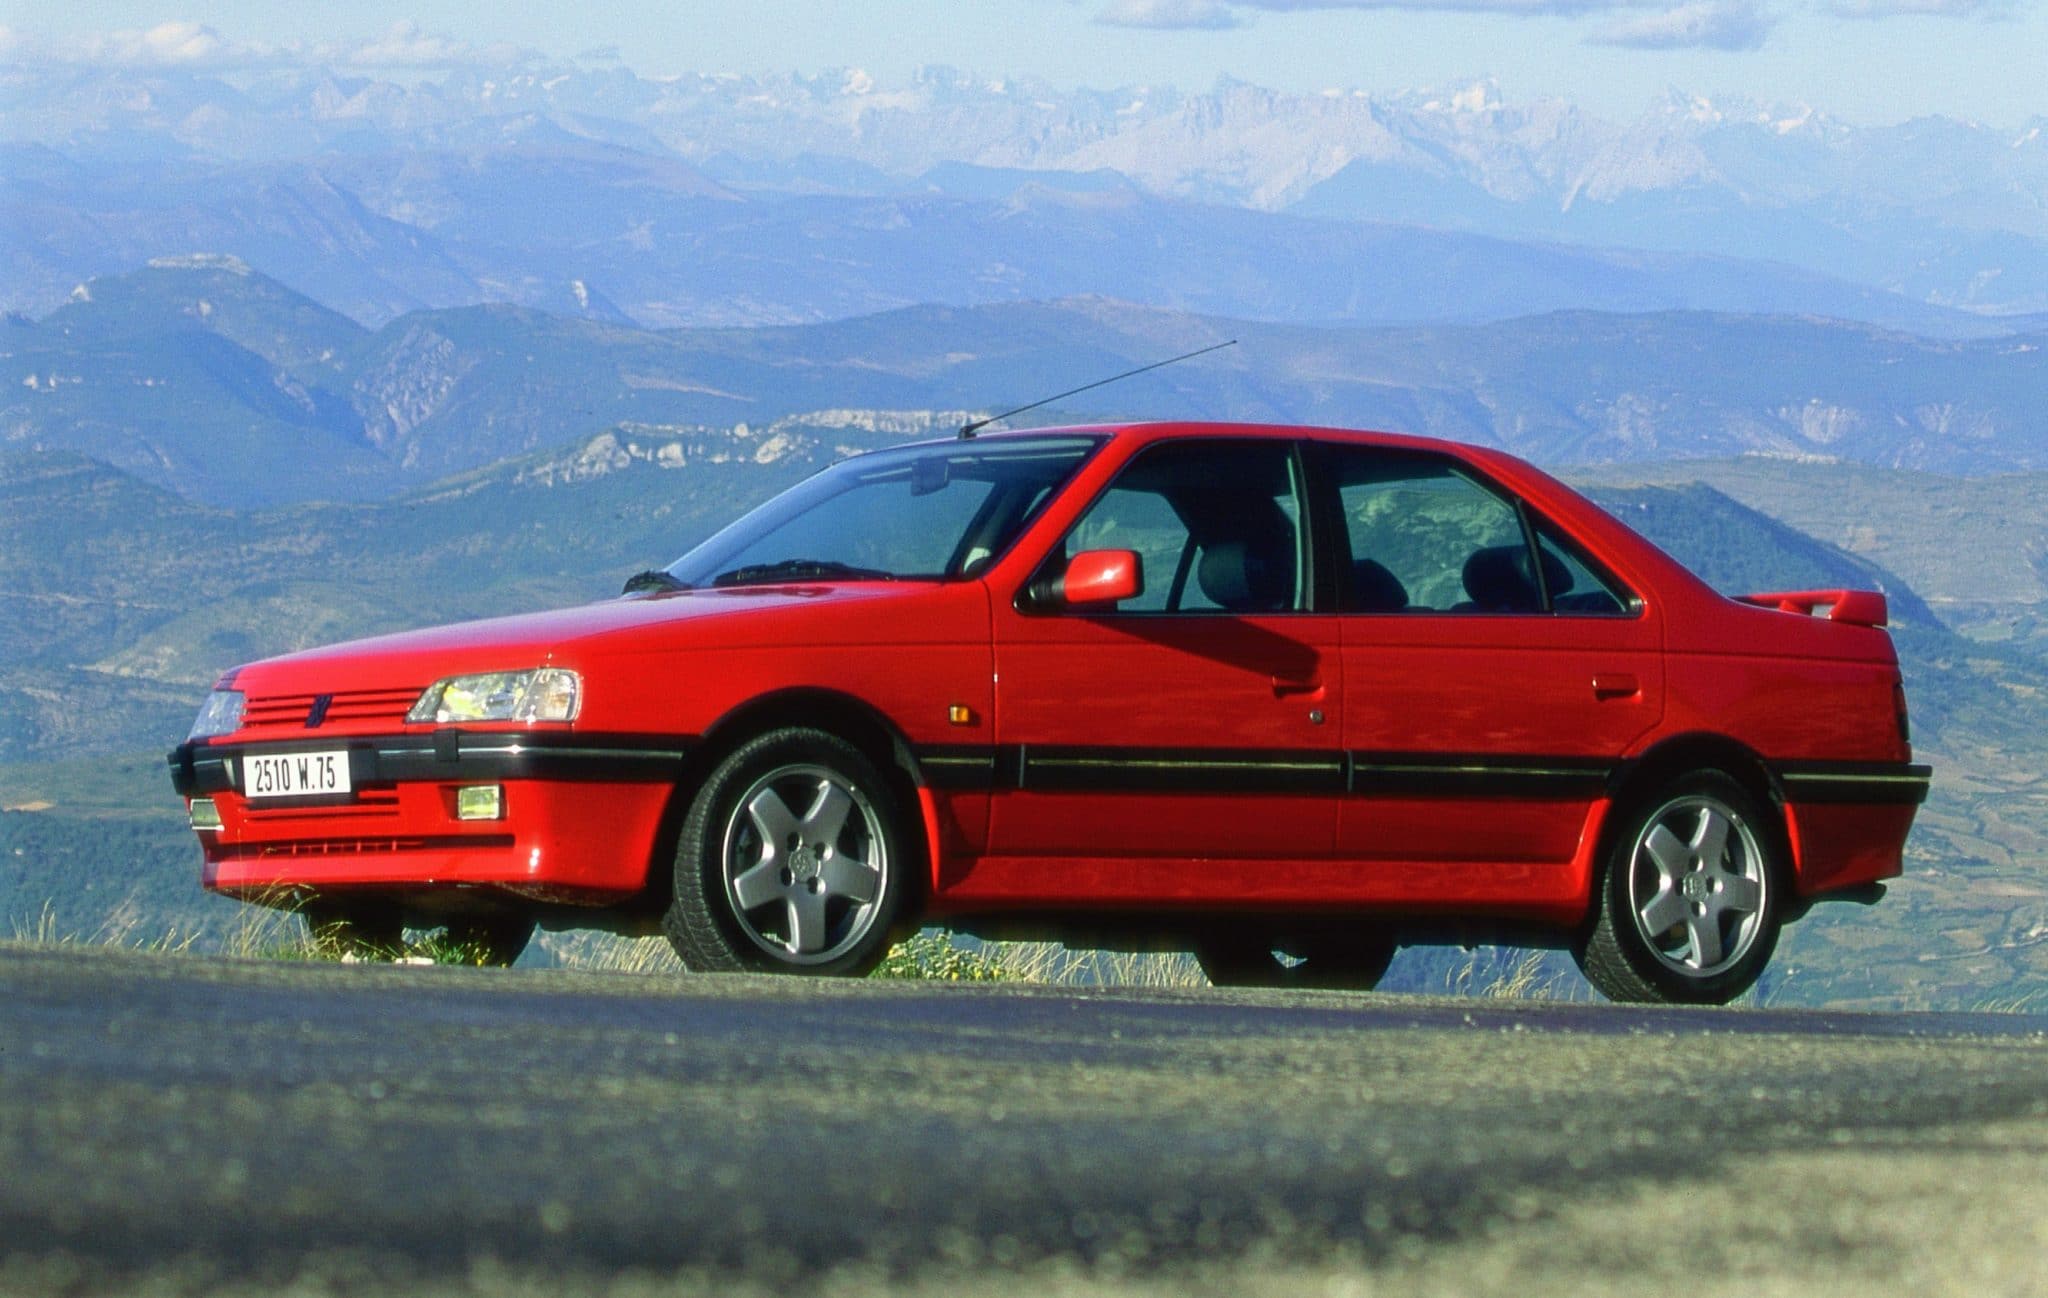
[(1495, 674), (1159, 748)]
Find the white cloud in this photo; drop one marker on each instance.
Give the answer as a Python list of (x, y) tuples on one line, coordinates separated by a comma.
[(1170, 15), (177, 44), (404, 45), (1702, 25)]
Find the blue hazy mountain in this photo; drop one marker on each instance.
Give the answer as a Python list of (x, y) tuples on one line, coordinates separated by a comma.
[(229, 388), (709, 200)]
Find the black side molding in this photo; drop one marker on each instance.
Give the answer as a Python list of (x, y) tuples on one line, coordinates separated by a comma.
[(1859, 783), (450, 754), (1274, 770)]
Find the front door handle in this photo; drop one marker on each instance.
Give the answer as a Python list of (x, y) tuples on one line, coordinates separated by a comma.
[(1290, 686), (1616, 685)]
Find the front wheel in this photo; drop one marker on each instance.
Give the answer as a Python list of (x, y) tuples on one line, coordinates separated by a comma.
[(1689, 907), (789, 861)]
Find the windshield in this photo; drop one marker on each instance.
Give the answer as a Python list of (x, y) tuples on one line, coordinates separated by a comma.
[(922, 512)]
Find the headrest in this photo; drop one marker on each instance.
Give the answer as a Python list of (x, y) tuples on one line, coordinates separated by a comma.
[(1499, 580), (1247, 578), (1375, 589)]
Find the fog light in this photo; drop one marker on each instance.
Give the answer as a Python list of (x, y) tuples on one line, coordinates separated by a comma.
[(205, 816), (479, 802)]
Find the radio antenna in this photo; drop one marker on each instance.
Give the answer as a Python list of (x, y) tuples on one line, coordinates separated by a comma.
[(968, 430)]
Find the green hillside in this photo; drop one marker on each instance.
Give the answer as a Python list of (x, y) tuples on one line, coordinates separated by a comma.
[(213, 381), (1976, 548), (219, 295)]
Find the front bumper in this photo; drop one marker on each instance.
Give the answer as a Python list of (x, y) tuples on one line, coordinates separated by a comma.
[(580, 815)]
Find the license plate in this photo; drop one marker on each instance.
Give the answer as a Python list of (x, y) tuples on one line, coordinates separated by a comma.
[(295, 775)]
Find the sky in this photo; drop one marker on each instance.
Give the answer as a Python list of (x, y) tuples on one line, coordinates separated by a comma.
[(1869, 61)]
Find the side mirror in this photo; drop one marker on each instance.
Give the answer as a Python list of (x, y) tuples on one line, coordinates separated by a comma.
[(1092, 577)]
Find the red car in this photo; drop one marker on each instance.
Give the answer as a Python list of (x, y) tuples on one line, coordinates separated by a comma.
[(1289, 696)]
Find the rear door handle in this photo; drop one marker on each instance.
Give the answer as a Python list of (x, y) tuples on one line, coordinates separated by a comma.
[(1616, 685), (1288, 686)]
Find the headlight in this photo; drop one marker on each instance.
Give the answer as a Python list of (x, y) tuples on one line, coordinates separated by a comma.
[(221, 714), (542, 694)]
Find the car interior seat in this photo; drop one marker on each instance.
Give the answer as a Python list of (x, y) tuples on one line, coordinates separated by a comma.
[(1499, 579), (1375, 589), (1247, 576)]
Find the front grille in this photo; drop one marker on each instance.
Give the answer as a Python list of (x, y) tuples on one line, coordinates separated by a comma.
[(344, 707)]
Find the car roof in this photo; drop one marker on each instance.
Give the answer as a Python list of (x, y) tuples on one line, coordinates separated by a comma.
[(1160, 430)]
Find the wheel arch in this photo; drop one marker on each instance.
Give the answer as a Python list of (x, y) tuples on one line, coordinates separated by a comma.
[(834, 712), (1682, 755)]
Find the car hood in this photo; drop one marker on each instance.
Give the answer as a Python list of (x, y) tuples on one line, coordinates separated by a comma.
[(737, 617)]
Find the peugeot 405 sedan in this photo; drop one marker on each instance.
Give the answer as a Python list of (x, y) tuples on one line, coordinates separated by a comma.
[(1287, 697)]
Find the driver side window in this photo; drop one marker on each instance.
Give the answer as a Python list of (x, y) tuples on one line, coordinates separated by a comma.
[(1216, 526)]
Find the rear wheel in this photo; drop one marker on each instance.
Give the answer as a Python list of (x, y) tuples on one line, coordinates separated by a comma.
[(789, 861), (1689, 906), (1350, 960)]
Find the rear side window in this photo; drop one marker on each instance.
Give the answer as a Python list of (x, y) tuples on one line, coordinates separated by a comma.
[(1419, 532), (1584, 589), (1425, 536)]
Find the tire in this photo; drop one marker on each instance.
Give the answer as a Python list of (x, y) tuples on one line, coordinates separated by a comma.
[(790, 860), (1350, 960), (490, 940), (362, 929), (1690, 896)]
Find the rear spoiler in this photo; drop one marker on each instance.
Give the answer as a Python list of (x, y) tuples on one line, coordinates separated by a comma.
[(1857, 607)]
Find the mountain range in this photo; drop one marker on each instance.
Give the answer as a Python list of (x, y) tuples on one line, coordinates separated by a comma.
[(216, 381), (711, 200)]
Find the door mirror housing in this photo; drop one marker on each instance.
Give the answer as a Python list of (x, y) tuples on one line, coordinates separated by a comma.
[(1092, 579)]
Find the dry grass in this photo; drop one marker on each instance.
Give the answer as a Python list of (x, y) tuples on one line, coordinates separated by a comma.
[(123, 927), (1525, 976), (2034, 1001), (931, 955), (609, 953), (1049, 962), (937, 956)]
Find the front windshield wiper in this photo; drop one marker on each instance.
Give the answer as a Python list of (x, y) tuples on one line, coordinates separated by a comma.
[(653, 579), (796, 569)]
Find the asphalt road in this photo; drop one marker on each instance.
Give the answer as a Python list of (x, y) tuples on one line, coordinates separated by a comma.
[(201, 1126)]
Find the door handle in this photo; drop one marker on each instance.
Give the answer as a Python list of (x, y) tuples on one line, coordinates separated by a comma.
[(1289, 686), (1616, 685)]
